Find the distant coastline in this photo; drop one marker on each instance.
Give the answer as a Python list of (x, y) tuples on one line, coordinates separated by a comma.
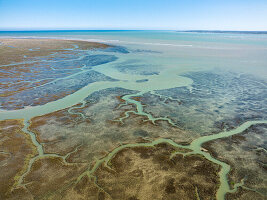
[(230, 32)]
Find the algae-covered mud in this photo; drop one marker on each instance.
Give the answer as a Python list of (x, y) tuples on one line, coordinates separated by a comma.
[(99, 117)]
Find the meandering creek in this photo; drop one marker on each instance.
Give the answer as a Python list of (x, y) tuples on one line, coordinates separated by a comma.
[(166, 79)]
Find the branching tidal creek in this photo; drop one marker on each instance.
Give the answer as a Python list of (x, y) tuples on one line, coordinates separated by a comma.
[(195, 148), (166, 79)]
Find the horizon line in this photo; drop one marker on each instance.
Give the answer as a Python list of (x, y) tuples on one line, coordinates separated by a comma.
[(186, 30)]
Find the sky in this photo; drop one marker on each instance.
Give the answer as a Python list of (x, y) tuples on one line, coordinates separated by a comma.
[(248, 15)]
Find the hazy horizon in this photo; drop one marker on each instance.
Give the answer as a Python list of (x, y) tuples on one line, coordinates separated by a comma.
[(103, 29)]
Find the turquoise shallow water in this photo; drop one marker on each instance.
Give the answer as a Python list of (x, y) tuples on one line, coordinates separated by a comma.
[(239, 52)]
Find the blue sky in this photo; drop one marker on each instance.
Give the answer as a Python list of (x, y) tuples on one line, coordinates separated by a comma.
[(134, 14)]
